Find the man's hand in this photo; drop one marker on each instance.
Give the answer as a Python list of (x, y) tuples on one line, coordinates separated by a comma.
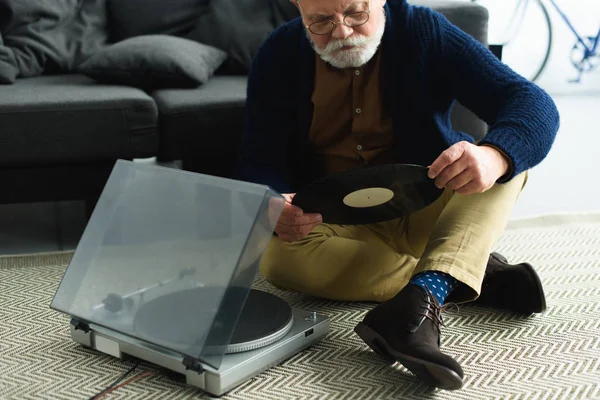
[(293, 223), (468, 168)]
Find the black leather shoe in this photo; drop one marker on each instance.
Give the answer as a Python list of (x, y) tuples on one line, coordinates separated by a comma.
[(406, 328), (516, 288)]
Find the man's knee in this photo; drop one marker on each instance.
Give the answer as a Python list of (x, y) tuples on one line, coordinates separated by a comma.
[(273, 276), (272, 267), (287, 265), (294, 274)]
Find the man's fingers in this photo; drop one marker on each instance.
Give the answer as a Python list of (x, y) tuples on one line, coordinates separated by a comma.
[(306, 219), (451, 172), (289, 196), (292, 210), (276, 206), (293, 233), (297, 231), (312, 218), (448, 157), (300, 229), (459, 180), (293, 223)]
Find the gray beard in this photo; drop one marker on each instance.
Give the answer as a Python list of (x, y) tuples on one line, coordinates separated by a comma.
[(351, 58)]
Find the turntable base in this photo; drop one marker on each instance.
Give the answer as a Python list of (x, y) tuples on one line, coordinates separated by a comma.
[(235, 369)]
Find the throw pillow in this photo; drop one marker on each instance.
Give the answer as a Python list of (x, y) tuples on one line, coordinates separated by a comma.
[(240, 27), (8, 72), (154, 62), (50, 36), (129, 18)]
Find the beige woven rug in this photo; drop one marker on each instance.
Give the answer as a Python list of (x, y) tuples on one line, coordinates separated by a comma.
[(551, 356)]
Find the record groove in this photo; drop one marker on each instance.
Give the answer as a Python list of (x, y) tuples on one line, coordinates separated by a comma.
[(369, 195)]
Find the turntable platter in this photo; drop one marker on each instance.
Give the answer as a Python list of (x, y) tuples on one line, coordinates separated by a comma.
[(264, 319)]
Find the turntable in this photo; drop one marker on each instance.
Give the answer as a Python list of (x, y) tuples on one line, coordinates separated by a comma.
[(164, 272)]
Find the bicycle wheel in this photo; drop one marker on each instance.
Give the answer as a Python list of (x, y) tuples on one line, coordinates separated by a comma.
[(524, 29)]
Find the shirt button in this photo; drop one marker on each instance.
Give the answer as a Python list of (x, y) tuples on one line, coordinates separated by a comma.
[(358, 110), (359, 147), (357, 72)]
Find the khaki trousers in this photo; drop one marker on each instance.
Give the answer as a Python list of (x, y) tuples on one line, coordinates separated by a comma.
[(373, 262)]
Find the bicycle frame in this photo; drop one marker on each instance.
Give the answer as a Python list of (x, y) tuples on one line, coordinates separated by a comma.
[(589, 51)]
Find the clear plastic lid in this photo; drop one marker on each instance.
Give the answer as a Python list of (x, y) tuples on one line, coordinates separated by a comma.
[(168, 257)]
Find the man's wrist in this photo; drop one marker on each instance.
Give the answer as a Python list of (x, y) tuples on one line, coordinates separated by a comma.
[(504, 160)]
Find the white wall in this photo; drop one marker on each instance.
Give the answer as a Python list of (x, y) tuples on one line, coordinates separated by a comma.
[(585, 16)]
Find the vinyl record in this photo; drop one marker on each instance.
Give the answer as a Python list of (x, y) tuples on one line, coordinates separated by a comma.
[(368, 195)]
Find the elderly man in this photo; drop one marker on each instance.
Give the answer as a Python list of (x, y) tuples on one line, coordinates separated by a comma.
[(356, 82)]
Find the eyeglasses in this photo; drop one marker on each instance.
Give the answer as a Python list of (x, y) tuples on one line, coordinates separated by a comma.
[(351, 20)]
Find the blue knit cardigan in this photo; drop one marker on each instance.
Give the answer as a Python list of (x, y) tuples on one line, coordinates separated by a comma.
[(428, 65)]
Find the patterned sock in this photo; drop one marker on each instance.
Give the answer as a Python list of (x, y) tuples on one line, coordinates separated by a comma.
[(439, 284)]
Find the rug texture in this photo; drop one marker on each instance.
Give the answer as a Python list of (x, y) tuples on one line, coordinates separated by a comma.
[(555, 355)]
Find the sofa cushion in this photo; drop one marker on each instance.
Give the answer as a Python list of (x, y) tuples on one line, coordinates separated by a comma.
[(51, 120), (207, 121), (154, 62), (128, 18)]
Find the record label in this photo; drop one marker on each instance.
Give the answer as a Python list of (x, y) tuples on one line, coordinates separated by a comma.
[(369, 197)]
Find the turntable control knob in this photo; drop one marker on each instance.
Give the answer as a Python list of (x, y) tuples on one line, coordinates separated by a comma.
[(312, 317)]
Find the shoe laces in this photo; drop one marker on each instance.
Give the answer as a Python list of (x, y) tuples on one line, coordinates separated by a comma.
[(433, 310)]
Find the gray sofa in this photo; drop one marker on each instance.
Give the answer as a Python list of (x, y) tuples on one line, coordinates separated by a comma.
[(61, 132)]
